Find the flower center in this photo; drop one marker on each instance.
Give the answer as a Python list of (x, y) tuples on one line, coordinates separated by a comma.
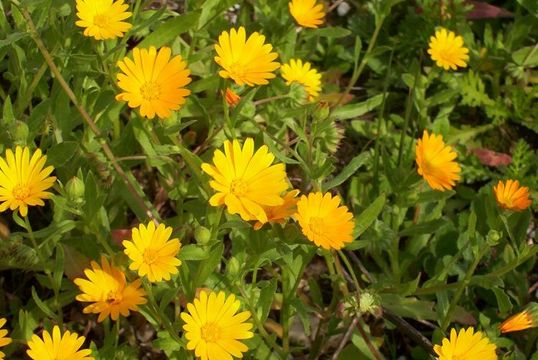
[(21, 192), (317, 226), (210, 332), (101, 20), (150, 256), (150, 91), (238, 187), (114, 297), (237, 70)]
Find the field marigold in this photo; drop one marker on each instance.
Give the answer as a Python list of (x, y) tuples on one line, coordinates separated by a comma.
[(4, 339), (153, 82), (436, 163), (213, 329), (245, 180), (447, 50), (58, 346), (278, 214), (109, 292), (466, 345), (323, 221), (307, 13), (231, 97), (152, 252), (304, 74), (525, 319), (23, 180), (245, 61), (511, 196), (102, 19)]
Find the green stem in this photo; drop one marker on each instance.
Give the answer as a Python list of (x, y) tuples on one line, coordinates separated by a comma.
[(55, 289), (463, 285), (351, 272)]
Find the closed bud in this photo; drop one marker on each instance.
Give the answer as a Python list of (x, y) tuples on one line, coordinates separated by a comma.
[(75, 190), (202, 235), (493, 237), (233, 267), (20, 133)]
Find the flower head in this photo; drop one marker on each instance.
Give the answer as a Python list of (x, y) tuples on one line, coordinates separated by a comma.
[(58, 346), (109, 292), (213, 329), (525, 319), (23, 180), (323, 221), (152, 252), (245, 61), (511, 196), (278, 214), (307, 13), (245, 180), (102, 19), (4, 340), (436, 163), (466, 345), (302, 73), (153, 81), (447, 50), (231, 97)]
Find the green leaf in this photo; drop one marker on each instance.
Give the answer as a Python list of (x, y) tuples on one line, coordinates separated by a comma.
[(427, 227), (207, 267), (170, 29), (11, 38), (503, 300), (193, 252), (267, 293), (60, 154), (368, 216), (350, 169), (355, 110), (8, 116), (527, 56), (329, 32), (58, 267), (41, 305)]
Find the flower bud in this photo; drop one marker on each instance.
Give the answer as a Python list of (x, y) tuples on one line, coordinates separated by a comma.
[(20, 133), (233, 267), (75, 190), (202, 235)]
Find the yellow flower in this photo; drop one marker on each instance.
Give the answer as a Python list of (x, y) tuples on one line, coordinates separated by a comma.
[(303, 74), (323, 221), (213, 329), (525, 319), (231, 97), (109, 292), (245, 61), (466, 345), (23, 180), (511, 196), (436, 163), (447, 50), (307, 13), (153, 82), (152, 252), (58, 346), (278, 214), (102, 19), (245, 181), (4, 340)]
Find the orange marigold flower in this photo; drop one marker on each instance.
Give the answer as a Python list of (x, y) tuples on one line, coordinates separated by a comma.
[(436, 163), (231, 97), (511, 196), (307, 13), (323, 221), (278, 214), (466, 345), (109, 292), (525, 319)]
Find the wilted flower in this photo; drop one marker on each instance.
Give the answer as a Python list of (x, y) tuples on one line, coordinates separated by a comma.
[(447, 50), (525, 319), (213, 329), (231, 97), (109, 291), (511, 196), (436, 163), (58, 346), (245, 180), (307, 13), (466, 345), (304, 74), (245, 61), (23, 180), (153, 82), (152, 252), (103, 19), (323, 221)]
